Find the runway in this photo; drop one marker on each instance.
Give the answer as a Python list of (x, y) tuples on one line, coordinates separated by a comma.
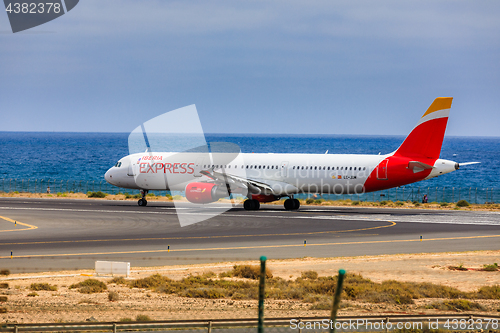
[(59, 234)]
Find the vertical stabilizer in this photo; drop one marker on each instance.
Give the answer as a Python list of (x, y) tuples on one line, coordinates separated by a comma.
[(426, 139)]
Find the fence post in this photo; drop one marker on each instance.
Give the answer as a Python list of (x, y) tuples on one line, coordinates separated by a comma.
[(336, 300), (262, 282), (444, 188), (437, 199), (452, 194)]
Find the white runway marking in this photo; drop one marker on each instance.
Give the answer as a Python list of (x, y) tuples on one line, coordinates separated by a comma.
[(471, 218)]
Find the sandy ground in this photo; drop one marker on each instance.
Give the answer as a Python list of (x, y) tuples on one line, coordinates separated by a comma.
[(66, 304)]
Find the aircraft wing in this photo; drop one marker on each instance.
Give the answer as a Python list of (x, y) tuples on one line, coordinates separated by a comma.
[(254, 186)]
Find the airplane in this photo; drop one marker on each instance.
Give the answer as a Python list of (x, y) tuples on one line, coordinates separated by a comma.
[(269, 177)]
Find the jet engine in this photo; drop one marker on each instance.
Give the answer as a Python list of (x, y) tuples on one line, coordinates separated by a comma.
[(203, 193)]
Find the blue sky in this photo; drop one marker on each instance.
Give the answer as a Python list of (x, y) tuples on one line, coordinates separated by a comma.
[(298, 67)]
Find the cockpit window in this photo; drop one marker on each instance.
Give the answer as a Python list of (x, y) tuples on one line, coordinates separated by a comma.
[(118, 164)]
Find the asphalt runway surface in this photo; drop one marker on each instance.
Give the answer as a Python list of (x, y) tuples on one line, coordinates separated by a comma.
[(60, 234)]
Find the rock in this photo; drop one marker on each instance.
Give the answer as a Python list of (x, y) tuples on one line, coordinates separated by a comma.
[(92, 319)]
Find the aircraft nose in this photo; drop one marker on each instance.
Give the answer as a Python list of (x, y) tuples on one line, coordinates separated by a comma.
[(108, 176)]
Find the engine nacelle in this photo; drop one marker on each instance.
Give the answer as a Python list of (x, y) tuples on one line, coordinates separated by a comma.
[(203, 193), (264, 197)]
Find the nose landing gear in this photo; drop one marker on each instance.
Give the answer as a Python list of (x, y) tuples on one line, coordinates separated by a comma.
[(143, 202)]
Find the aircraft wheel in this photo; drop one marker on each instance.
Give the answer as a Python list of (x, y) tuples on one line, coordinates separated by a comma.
[(289, 204), (256, 204), (296, 204), (248, 204), (251, 204), (142, 202)]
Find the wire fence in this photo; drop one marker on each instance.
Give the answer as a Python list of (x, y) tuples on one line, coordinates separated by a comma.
[(477, 195)]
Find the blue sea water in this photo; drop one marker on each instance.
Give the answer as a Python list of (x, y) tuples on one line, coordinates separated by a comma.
[(85, 157)]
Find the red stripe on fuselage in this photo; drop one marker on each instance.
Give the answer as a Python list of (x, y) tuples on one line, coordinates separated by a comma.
[(398, 174)]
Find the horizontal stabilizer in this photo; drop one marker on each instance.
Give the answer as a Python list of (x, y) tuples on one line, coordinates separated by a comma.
[(418, 166)]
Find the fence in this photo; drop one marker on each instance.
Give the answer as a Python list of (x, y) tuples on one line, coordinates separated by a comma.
[(435, 194), (438, 194), (274, 324)]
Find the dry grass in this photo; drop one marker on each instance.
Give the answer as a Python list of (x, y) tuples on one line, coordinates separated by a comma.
[(249, 272), (311, 275), (489, 292), (143, 318), (309, 288), (456, 305), (89, 286), (118, 280), (113, 296), (43, 286), (490, 268)]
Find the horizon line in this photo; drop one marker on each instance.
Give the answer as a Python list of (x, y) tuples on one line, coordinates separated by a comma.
[(261, 134)]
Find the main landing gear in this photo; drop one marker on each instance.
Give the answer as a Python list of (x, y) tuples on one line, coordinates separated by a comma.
[(292, 204), (143, 202), (251, 204)]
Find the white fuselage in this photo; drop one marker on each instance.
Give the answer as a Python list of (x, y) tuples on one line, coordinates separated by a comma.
[(285, 173)]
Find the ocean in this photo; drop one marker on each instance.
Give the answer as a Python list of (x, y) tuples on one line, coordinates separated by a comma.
[(66, 159)]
